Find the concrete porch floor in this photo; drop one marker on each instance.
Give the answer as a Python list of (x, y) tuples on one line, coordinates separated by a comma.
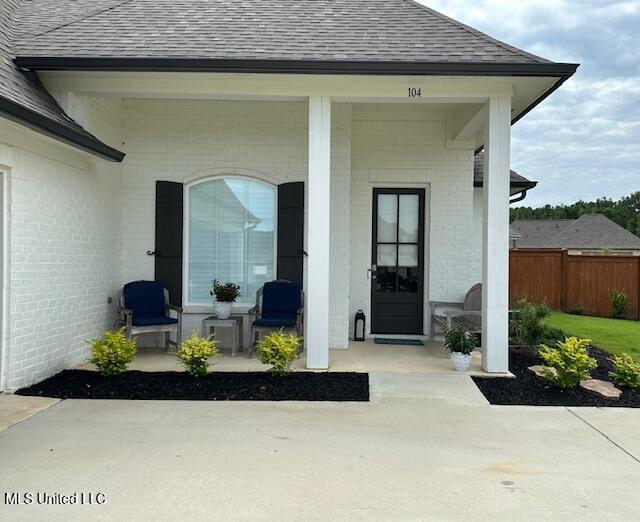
[(360, 357)]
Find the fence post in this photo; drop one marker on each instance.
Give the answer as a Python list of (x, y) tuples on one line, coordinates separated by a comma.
[(563, 279)]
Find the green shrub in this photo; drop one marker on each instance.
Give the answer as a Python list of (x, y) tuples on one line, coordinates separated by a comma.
[(619, 303), (279, 350), (576, 310), (571, 360), (528, 325), (459, 340), (626, 371), (195, 353), (113, 352), (551, 335)]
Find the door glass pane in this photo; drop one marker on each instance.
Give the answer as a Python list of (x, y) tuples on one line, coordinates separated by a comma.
[(409, 213), (408, 280), (408, 255), (387, 218), (387, 255)]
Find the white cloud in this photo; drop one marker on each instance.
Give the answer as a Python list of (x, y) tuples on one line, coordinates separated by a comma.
[(583, 141)]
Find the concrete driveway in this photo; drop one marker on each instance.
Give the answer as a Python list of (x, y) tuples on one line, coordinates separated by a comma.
[(427, 447)]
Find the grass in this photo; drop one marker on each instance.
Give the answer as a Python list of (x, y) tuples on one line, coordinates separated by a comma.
[(614, 336)]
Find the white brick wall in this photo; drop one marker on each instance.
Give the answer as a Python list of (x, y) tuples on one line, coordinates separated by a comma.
[(406, 146), (179, 140), (78, 232), (64, 228)]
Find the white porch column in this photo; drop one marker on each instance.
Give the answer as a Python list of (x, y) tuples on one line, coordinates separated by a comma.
[(319, 211), (495, 247)]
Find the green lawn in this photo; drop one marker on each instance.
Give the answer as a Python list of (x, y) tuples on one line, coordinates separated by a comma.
[(610, 335)]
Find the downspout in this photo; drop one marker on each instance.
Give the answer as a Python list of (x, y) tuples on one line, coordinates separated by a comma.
[(521, 195)]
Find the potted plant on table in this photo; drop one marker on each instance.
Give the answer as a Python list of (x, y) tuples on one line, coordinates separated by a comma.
[(224, 294), (461, 344)]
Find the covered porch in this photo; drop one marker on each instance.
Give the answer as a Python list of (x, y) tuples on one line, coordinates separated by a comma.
[(345, 141), (368, 357)]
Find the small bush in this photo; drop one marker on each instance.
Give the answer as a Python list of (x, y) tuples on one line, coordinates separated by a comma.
[(459, 340), (551, 335), (113, 352), (571, 360), (576, 310), (195, 353), (279, 350), (626, 371), (528, 325), (619, 303)]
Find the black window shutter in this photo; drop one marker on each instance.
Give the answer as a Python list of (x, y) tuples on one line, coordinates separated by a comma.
[(169, 238), (291, 231)]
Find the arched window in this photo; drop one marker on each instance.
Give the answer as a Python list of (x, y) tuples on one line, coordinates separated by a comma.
[(231, 234)]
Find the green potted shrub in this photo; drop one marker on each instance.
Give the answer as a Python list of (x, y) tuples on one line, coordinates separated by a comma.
[(279, 350), (113, 352), (195, 353), (224, 294), (461, 344)]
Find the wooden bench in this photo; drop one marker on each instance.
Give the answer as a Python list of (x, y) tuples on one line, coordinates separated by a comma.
[(468, 315)]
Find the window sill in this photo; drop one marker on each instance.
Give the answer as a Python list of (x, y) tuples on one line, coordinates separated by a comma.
[(241, 309)]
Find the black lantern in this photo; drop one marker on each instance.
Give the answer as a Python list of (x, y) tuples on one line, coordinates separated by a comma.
[(358, 327)]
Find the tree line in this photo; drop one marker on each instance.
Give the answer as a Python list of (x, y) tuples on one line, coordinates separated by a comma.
[(624, 211)]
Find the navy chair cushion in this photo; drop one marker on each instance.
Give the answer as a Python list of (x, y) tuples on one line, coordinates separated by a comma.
[(276, 321), (144, 297), (280, 299), (151, 320)]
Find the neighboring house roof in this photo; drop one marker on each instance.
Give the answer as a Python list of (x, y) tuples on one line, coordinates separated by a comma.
[(25, 100), (588, 232), (518, 183), (291, 36)]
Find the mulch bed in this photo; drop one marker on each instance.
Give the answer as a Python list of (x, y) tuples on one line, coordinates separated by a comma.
[(527, 389), (215, 386)]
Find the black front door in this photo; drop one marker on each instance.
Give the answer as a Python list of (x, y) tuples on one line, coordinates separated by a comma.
[(397, 263)]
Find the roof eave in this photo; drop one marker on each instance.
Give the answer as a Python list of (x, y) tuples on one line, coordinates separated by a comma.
[(40, 123), (54, 63)]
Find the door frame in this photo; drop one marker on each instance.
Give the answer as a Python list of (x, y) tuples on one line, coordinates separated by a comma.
[(426, 229)]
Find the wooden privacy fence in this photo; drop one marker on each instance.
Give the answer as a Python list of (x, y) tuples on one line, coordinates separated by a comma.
[(566, 281)]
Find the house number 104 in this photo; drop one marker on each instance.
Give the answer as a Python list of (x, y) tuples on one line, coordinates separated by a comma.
[(415, 92)]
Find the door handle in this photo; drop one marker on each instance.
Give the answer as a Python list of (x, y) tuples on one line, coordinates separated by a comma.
[(155, 253), (371, 272)]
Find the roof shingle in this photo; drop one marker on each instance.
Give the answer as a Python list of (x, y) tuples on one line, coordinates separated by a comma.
[(316, 30)]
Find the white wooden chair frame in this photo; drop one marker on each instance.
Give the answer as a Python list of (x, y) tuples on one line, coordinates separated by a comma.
[(126, 320)]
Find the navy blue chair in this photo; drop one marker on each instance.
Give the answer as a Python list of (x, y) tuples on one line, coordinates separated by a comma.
[(279, 305), (145, 308)]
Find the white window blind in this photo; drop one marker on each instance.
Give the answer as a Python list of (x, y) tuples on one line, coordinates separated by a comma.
[(231, 237)]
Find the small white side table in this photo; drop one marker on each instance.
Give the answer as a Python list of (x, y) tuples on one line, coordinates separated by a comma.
[(235, 322)]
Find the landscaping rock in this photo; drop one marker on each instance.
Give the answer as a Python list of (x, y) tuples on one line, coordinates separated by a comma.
[(603, 389), (537, 370)]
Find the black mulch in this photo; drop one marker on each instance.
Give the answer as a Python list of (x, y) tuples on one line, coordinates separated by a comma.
[(527, 389), (215, 386)]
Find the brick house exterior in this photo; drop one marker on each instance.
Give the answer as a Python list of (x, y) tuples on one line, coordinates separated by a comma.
[(78, 218)]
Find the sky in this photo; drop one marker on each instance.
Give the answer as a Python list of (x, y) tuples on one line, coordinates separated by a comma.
[(583, 142)]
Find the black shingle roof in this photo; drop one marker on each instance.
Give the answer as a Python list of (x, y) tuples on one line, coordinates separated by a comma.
[(518, 182), (323, 36), (27, 101), (314, 30)]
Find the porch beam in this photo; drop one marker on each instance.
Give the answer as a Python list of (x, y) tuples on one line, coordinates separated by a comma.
[(318, 228), (495, 258)]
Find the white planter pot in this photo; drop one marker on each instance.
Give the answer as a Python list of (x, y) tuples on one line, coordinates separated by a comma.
[(461, 361), (222, 310)]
